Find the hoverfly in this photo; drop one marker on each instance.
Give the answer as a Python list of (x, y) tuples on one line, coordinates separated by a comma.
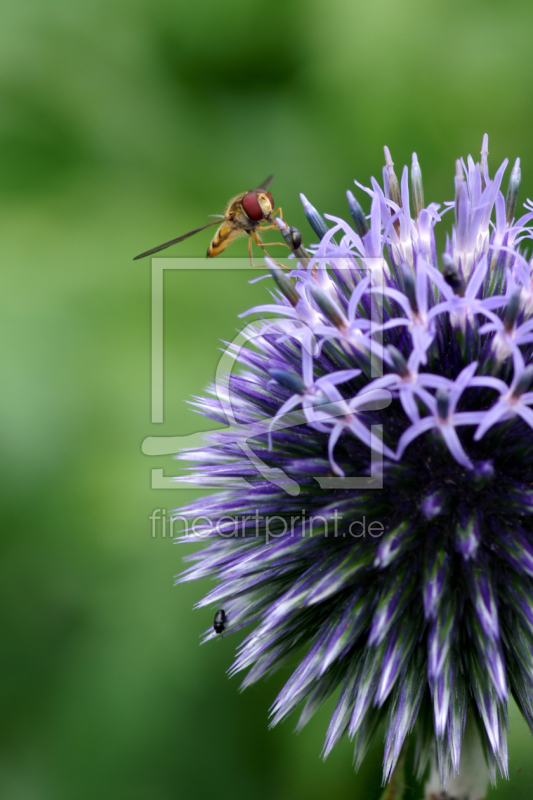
[(244, 214)]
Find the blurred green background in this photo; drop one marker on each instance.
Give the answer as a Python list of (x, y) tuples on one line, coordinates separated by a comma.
[(123, 124)]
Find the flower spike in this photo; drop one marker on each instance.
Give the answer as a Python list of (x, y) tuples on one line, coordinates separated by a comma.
[(373, 526)]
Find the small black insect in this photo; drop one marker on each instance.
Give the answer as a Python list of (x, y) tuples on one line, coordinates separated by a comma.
[(220, 621)]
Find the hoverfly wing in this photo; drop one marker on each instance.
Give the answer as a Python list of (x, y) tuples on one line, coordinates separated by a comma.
[(175, 241), (264, 186)]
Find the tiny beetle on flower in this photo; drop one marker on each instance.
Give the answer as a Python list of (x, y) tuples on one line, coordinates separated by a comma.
[(219, 623)]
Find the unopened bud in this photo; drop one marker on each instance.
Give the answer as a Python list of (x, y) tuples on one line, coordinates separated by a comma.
[(512, 191), (452, 276), (328, 307), (399, 362), (433, 504), (285, 285), (357, 214), (316, 220), (484, 161), (443, 403), (394, 186), (483, 474), (289, 380), (416, 186), (459, 187), (409, 286), (511, 311), (467, 535)]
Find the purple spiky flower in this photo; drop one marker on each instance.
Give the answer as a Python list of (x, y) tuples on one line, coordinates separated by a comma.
[(376, 512)]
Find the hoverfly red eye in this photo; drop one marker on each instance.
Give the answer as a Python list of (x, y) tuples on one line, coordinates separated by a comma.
[(251, 206)]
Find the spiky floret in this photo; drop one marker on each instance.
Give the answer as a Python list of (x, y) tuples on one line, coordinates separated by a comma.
[(409, 591)]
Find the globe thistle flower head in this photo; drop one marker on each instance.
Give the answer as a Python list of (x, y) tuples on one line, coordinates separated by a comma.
[(374, 524)]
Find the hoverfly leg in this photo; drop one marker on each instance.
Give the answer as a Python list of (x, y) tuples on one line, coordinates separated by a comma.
[(250, 254), (263, 246), (274, 244)]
